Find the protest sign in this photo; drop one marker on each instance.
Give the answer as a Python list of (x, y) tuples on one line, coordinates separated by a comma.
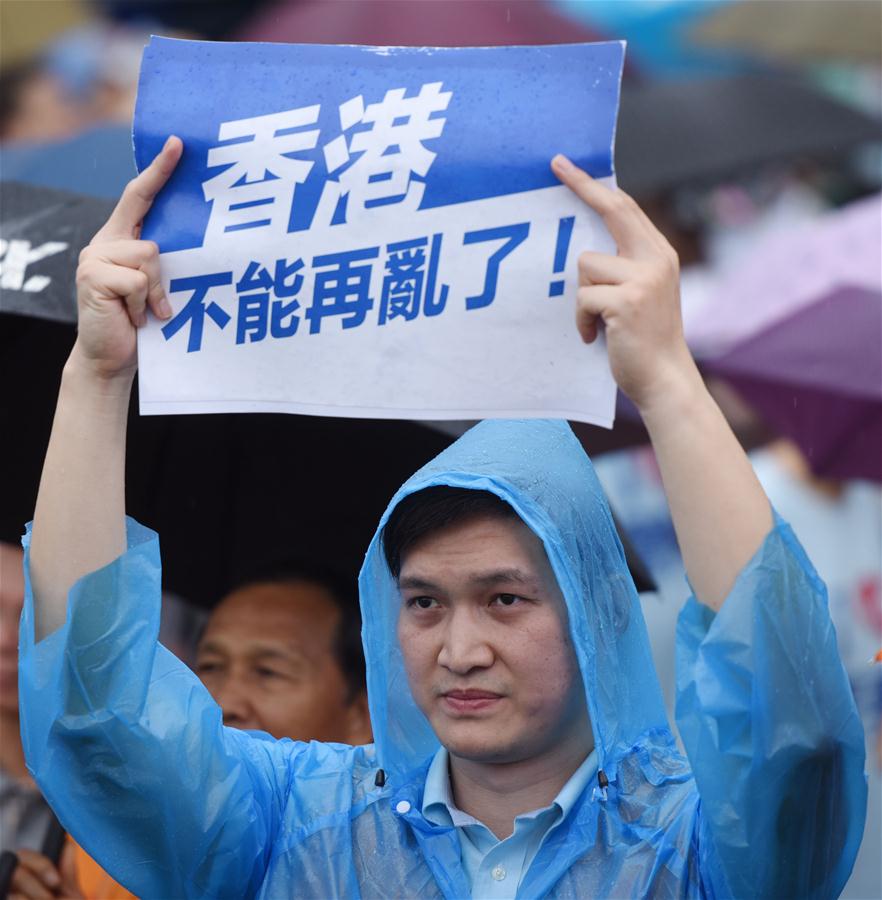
[(366, 231)]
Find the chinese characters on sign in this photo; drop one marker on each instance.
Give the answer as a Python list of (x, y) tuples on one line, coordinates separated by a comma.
[(268, 304), (265, 161), (258, 189), (361, 231)]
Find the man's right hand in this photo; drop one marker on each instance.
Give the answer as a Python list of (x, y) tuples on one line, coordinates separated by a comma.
[(79, 521), (118, 276)]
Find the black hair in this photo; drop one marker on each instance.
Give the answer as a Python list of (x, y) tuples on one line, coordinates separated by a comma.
[(431, 509), (14, 81), (342, 590)]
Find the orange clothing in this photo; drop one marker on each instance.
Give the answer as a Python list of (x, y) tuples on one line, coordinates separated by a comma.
[(94, 882)]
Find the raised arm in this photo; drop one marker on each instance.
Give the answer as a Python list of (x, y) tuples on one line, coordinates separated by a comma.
[(124, 741), (763, 702), (79, 523), (720, 511)]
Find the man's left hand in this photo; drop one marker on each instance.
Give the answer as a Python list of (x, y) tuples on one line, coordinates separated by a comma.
[(636, 294)]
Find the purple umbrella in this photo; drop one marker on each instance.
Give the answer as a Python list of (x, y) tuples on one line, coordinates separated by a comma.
[(435, 23), (789, 271), (800, 332)]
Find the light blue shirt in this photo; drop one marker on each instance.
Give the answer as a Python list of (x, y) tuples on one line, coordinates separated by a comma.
[(495, 868)]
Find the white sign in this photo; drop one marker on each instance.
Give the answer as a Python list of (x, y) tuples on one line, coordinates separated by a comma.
[(389, 245)]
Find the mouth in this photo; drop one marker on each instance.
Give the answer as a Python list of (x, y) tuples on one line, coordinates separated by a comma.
[(465, 702)]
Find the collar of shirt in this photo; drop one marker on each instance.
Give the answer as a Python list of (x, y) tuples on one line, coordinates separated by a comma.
[(495, 868)]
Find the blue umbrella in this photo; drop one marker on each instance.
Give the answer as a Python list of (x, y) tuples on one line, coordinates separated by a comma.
[(98, 162)]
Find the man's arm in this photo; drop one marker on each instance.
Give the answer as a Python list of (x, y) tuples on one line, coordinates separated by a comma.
[(720, 511), (79, 522), (125, 743), (763, 702)]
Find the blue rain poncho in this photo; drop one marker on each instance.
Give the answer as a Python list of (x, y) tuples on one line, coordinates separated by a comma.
[(130, 750)]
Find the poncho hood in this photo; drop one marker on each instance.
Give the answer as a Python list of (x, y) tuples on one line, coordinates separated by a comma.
[(541, 470)]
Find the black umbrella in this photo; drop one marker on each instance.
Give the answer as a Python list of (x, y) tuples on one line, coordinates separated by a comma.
[(226, 492), (675, 133), (42, 231)]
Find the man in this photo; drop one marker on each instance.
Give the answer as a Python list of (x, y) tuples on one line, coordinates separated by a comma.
[(507, 632), (280, 653)]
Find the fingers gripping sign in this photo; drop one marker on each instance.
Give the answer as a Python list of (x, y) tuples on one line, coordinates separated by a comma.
[(118, 278), (137, 198), (635, 294)]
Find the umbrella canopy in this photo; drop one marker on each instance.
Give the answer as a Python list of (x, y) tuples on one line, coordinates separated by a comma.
[(41, 234), (98, 162), (225, 492), (816, 377), (798, 332), (658, 35), (213, 21), (789, 271), (805, 32), (430, 23), (704, 131)]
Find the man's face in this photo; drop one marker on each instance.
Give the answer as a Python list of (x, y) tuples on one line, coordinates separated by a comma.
[(268, 659), (11, 598), (483, 630)]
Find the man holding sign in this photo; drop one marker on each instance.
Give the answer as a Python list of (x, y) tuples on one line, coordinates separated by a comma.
[(521, 742)]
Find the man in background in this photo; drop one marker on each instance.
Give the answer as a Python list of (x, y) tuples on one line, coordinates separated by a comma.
[(280, 653)]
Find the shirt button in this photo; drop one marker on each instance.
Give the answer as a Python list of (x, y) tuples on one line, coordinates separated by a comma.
[(498, 873), (402, 807)]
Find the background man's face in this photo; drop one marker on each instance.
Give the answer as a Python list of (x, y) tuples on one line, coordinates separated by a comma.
[(483, 630), (11, 597), (268, 658)]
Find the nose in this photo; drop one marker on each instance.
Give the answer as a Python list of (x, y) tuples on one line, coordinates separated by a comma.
[(465, 646), (233, 700)]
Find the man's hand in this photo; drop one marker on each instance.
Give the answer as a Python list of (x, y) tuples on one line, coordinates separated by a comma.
[(79, 522), (37, 878), (718, 507), (636, 294), (118, 276)]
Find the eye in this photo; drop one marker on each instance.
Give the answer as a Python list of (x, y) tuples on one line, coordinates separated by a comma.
[(263, 672), (421, 602), (507, 600), (207, 668)]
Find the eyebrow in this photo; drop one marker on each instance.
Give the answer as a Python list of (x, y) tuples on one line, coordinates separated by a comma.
[(257, 652), (484, 579)]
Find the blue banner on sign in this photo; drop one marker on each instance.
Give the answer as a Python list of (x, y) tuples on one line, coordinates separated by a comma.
[(360, 230), (293, 137)]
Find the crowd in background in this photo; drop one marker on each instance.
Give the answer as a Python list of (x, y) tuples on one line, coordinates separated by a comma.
[(70, 70)]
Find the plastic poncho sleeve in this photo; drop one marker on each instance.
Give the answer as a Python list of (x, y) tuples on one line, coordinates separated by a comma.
[(129, 748), (767, 717)]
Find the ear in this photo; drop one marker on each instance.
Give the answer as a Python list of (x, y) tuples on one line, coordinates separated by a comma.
[(358, 721)]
